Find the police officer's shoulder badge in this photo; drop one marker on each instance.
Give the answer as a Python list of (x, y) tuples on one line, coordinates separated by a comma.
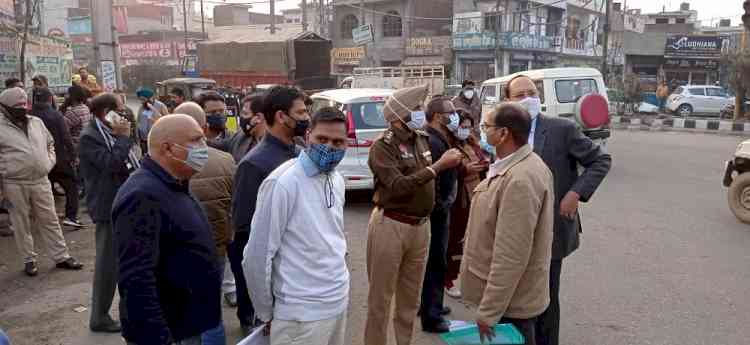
[(422, 132), (387, 136)]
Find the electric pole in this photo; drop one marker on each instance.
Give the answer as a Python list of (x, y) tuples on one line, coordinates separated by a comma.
[(185, 22), (322, 17), (304, 15), (105, 44), (272, 6), (203, 24), (497, 29), (605, 47)]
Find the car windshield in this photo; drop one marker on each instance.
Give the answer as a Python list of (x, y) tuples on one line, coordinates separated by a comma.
[(569, 91), (369, 115)]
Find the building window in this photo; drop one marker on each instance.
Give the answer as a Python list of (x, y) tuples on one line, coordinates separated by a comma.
[(680, 20), (348, 24), (662, 20), (492, 21), (392, 24)]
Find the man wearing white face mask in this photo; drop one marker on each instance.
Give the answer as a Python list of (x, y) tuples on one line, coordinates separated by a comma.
[(399, 230), (443, 124), (564, 148), (170, 280), (469, 99)]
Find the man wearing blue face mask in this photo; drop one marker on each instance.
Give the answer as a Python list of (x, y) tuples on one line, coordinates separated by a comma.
[(286, 118), (443, 123), (398, 235), (295, 262)]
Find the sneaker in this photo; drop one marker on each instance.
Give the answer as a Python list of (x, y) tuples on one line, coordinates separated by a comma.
[(231, 299), (453, 292), (30, 269), (72, 222), (70, 264)]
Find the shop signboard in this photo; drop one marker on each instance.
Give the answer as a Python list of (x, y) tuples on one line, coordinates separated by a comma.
[(362, 34), (696, 46), (467, 23), (708, 64), (427, 46), (52, 58), (347, 56), (79, 25), (526, 41), (474, 41)]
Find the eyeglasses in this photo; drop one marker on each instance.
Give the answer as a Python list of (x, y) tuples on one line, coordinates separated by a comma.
[(483, 126)]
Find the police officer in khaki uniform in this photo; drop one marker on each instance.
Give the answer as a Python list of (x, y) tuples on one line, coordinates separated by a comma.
[(399, 230)]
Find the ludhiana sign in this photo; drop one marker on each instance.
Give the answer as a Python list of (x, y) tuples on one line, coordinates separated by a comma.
[(695, 46)]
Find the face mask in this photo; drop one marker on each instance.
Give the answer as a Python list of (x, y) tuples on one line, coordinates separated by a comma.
[(171, 104), (300, 126), (325, 157), (246, 123), (533, 105), (463, 133), (486, 145), (17, 113), (197, 157), (469, 94), (418, 120), (216, 122), (454, 122)]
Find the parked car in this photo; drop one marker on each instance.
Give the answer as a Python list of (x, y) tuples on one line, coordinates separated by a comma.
[(364, 112), (698, 99), (575, 93)]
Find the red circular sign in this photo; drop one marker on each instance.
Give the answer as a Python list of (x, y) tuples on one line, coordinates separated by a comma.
[(593, 110)]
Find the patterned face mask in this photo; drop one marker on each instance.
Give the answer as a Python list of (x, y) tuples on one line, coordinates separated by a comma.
[(326, 158)]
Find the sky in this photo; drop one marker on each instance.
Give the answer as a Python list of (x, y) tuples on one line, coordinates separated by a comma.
[(709, 11)]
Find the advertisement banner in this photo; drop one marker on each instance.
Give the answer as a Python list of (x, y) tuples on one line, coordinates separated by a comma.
[(109, 76), (49, 57), (362, 34), (696, 46)]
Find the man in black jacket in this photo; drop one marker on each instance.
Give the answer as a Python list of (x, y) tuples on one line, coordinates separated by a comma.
[(442, 121), (170, 281), (564, 148), (287, 117), (106, 161), (64, 172)]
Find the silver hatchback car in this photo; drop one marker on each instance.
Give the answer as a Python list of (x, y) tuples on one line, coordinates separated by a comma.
[(364, 112), (703, 99)]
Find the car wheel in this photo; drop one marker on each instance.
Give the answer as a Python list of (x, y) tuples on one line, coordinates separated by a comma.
[(739, 197), (685, 110)]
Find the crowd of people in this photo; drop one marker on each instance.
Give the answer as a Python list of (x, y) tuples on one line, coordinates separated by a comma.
[(482, 207)]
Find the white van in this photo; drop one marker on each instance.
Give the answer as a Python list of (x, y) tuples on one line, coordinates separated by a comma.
[(575, 93)]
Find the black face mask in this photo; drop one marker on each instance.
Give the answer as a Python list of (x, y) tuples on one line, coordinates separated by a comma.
[(17, 114), (217, 122), (300, 126), (246, 124)]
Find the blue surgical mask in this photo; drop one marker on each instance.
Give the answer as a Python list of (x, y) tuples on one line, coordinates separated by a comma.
[(418, 120), (485, 145), (463, 133), (455, 121), (197, 157), (325, 157)]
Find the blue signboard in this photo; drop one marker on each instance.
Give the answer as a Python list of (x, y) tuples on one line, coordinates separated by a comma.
[(474, 40), (79, 25), (507, 40)]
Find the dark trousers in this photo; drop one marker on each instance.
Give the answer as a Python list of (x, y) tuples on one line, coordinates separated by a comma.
[(437, 265), (66, 177), (105, 276), (527, 327), (548, 324), (245, 310)]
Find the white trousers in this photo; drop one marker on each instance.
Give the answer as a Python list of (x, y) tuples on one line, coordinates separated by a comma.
[(324, 332)]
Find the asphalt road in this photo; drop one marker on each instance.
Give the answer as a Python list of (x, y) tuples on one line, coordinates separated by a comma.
[(663, 261)]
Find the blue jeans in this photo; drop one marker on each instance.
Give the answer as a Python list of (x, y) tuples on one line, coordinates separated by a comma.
[(4, 338)]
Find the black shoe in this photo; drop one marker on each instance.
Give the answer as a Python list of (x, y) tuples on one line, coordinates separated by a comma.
[(438, 326), (31, 269), (70, 264), (446, 310), (110, 327)]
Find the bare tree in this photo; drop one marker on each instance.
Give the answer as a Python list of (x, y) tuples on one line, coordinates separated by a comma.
[(738, 63), (29, 12)]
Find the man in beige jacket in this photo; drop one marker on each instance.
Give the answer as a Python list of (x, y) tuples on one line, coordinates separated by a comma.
[(27, 155), (505, 269)]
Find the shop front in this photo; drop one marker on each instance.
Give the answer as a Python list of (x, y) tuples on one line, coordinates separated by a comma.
[(693, 59)]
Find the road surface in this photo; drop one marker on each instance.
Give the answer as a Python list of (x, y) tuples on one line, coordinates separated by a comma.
[(663, 261)]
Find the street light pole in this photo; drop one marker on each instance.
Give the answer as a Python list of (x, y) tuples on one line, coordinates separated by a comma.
[(203, 23), (605, 47), (185, 22)]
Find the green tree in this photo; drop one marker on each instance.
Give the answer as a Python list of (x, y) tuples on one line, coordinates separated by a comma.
[(738, 64)]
